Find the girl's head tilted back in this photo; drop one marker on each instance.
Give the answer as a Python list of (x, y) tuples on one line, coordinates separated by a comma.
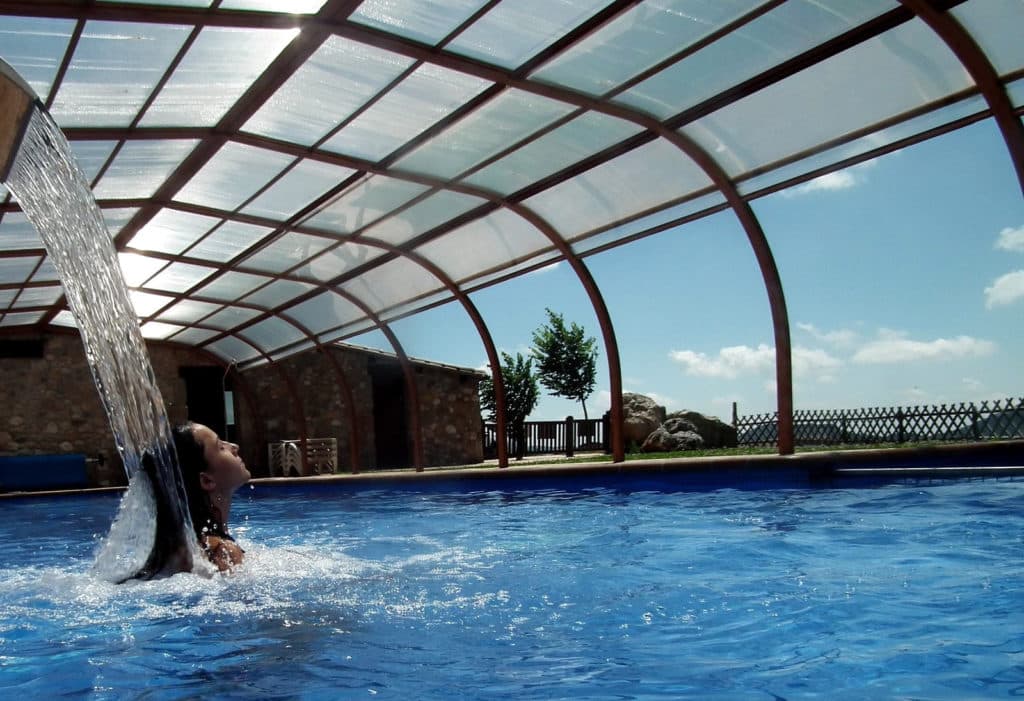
[(211, 470)]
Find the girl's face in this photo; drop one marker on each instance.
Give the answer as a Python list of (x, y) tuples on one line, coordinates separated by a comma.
[(225, 470)]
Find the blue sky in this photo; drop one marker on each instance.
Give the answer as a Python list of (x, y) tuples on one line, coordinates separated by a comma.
[(904, 280)]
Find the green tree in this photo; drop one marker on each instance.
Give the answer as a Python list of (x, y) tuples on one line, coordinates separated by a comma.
[(521, 396), (566, 359)]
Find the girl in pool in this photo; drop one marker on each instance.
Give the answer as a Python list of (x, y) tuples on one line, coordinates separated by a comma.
[(212, 471)]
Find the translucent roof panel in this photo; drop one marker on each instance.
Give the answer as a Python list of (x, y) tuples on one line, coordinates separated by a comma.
[(286, 252), (329, 87), (146, 303), (195, 337), (760, 129), (179, 277), (997, 26), (277, 293), (219, 66), (513, 32), (172, 231), (428, 94), (91, 156), (17, 270), (306, 7), (272, 333), (230, 317), (189, 311), (336, 261), (137, 268), (39, 296), (365, 203), (498, 124), (6, 297), (141, 167), (297, 188), (324, 311), (115, 68), (494, 241), (232, 285), (229, 241), (233, 349), (116, 218), (428, 21), (422, 217), (159, 330), (784, 32), (34, 47), (21, 319), (637, 40), (17, 233), (392, 283), (47, 272), (234, 174)]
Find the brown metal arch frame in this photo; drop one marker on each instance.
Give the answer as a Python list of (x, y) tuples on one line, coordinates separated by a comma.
[(298, 408), (981, 70), (353, 418)]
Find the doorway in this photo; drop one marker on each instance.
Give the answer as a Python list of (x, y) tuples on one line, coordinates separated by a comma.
[(390, 416)]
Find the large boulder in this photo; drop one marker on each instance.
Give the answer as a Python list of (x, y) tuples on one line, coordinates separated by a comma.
[(642, 416), (673, 435), (715, 432)]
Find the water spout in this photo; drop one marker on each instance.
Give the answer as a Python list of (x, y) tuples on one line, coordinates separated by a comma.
[(16, 102)]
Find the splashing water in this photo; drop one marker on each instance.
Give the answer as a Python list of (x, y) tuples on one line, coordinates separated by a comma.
[(56, 198)]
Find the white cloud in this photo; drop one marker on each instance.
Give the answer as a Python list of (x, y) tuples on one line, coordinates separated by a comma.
[(1005, 290), (1011, 239), (546, 269), (831, 182), (733, 361), (839, 337), (895, 347)]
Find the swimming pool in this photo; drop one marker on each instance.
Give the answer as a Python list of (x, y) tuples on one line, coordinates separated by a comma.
[(902, 591)]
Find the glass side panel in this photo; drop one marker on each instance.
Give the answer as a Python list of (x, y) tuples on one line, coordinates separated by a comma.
[(906, 68), (189, 311), (230, 317), (277, 293), (286, 252), (392, 283), (232, 349), (501, 122), (294, 7), (92, 155), (47, 272), (39, 296), (115, 68), (17, 270), (297, 188), (428, 21), (195, 337), (497, 240), (21, 319), (427, 95), (64, 318), (784, 32), (332, 263), (234, 174), (218, 68), (35, 48), (179, 277), (158, 330), (363, 204), (171, 231), (513, 32), (998, 27), (637, 181), (332, 84), (232, 285), (228, 241), (422, 217), (17, 233), (141, 167), (138, 268), (272, 333), (146, 303), (116, 218), (568, 144), (324, 311), (638, 39)]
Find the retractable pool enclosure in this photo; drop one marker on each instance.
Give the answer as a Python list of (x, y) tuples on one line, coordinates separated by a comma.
[(282, 175)]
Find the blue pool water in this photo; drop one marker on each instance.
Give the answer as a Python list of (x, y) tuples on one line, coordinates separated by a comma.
[(906, 591)]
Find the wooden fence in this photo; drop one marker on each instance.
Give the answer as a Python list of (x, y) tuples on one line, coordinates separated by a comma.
[(553, 437), (954, 422)]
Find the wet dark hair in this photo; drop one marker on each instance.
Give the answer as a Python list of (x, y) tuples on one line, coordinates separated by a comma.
[(206, 518)]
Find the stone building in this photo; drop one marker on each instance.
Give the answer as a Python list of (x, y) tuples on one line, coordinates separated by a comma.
[(357, 396)]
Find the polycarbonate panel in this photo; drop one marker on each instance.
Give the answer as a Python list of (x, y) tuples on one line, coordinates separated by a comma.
[(428, 21), (286, 252), (904, 69), (17, 270), (277, 293), (39, 296), (325, 311), (115, 68), (233, 349), (326, 89), (272, 333), (637, 40), (498, 124), (21, 319), (413, 307), (297, 188), (535, 264), (230, 317), (998, 27), (422, 217), (159, 331), (234, 174), (195, 337), (646, 177), (332, 263), (427, 95), (786, 31), (116, 218), (64, 318), (172, 231), (513, 32), (292, 350), (35, 48), (1016, 93), (146, 303), (47, 272), (228, 241), (364, 203), (219, 67), (293, 7), (497, 240), (138, 268), (6, 297), (179, 277), (568, 144), (91, 156), (390, 284), (141, 167), (18, 234), (189, 311), (232, 285)]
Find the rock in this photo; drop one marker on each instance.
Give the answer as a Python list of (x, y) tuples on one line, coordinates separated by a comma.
[(715, 432), (662, 441), (642, 416)]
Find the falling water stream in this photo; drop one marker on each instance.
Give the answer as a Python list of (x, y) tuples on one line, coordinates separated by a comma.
[(57, 199)]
